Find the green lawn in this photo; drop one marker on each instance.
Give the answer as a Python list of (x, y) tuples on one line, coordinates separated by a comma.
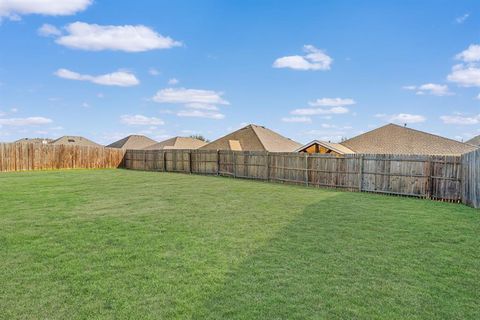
[(126, 244)]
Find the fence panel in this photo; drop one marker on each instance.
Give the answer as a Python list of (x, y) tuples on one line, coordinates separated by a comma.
[(205, 161), (288, 167), (471, 178), (29, 156), (177, 160)]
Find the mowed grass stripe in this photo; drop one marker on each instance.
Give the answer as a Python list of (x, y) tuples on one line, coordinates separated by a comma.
[(129, 244)]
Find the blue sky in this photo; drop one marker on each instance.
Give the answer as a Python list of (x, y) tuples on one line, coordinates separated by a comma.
[(308, 69)]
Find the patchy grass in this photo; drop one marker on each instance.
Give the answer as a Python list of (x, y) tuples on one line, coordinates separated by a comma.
[(127, 244)]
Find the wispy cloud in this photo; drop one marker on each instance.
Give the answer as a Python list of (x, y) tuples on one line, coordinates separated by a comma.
[(460, 119), (325, 106), (47, 30), (201, 114), (402, 118), (314, 59), (185, 96), (461, 19), (30, 121), (431, 89), (140, 120), (118, 78), (173, 81), (153, 72), (297, 119), (332, 102), (319, 111)]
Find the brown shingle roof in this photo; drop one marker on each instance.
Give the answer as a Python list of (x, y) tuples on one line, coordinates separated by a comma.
[(178, 143), (34, 140), (75, 141), (474, 141), (395, 139), (254, 138), (135, 142)]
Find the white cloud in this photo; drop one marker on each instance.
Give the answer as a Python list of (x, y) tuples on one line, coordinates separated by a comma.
[(13, 9), (30, 121), (461, 119), (319, 111), (297, 119), (403, 118), (465, 75), (430, 88), (140, 120), (471, 54), (200, 114), (185, 96), (332, 102), (314, 59), (173, 81), (47, 30), (118, 78), (129, 38), (198, 103)]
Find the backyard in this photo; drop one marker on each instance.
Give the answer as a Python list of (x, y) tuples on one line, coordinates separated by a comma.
[(131, 244)]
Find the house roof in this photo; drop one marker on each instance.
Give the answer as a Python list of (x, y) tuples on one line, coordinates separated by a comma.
[(75, 141), (395, 139), (34, 140), (337, 147), (134, 141), (177, 143), (474, 141), (254, 138)]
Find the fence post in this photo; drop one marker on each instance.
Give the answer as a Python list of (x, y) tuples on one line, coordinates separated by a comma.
[(164, 161), (190, 160), (360, 173), (234, 164), (218, 162), (431, 172), (306, 169), (267, 164)]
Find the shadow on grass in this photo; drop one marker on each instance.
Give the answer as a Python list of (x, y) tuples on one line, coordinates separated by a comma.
[(410, 261)]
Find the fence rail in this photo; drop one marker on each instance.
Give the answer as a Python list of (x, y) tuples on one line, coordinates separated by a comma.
[(433, 177), (29, 156)]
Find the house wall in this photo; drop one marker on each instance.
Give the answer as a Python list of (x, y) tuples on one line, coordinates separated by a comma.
[(316, 148)]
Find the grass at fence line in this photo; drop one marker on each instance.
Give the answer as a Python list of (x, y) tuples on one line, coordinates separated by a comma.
[(136, 245)]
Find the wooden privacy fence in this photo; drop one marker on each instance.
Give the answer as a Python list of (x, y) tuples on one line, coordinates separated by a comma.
[(471, 178), (433, 177), (29, 156)]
